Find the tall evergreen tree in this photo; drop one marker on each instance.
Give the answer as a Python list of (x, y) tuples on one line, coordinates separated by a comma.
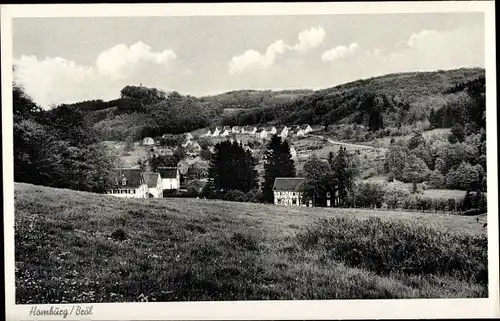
[(278, 163), (232, 168)]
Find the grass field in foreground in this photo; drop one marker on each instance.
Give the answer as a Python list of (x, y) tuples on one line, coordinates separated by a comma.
[(68, 250)]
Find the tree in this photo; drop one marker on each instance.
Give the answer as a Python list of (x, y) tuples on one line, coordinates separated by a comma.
[(466, 177), (232, 168), (396, 160), (457, 133), (318, 181), (415, 171), (343, 172), (278, 163)]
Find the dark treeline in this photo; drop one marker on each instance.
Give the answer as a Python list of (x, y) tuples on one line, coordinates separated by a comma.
[(57, 148)]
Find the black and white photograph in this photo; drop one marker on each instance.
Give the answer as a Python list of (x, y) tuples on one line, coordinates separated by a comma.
[(260, 154)]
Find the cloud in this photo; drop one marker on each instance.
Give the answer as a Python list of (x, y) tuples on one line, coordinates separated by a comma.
[(339, 52), (432, 49), (55, 80), (310, 39), (119, 61), (254, 60)]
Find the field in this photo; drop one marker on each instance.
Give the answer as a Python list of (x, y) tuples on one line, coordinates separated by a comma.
[(130, 159), (78, 247)]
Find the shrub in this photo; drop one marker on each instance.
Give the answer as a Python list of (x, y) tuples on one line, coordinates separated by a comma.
[(118, 235), (395, 196), (369, 194), (234, 195), (387, 246)]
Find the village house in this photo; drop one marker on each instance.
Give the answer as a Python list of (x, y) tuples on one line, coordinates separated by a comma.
[(154, 183), (293, 131), (189, 136), (286, 191), (148, 141), (183, 167), (249, 130), (129, 183), (236, 129), (293, 152), (170, 178), (226, 131), (306, 128), (216, 131), (261, 133), (271, 130), (208, 133), (282, 131)]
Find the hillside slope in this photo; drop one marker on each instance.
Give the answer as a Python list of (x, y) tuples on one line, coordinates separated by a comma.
[(79, 247)]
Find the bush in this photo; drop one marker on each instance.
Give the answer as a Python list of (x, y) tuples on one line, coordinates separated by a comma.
[(234, 195), (369, 195), (386, 246), (254, 196), (394, 197), (118, 235)]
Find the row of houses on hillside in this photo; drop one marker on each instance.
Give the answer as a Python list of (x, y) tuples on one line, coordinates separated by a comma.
[(136, 183), (259, 132)]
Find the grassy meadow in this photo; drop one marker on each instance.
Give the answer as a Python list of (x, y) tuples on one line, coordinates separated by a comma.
[(79, 247)]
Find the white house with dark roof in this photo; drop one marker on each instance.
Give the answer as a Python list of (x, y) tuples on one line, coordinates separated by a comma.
[(286, 191), (271, 130), (216, 131), (170, 178), (236, 129), (226, 131), (154, 182), (282, 131), (261, 133), (128, 183), (293, 152), (249, 130), (208, 133)]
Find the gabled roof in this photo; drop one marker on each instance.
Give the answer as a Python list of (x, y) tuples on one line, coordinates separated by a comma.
[(280, 127), (132, 177), (249, 128), (304, 126), (261, 130), (287, 183), (227, 127), (236, 127), (167, 172), (269, 128), (151, 178)]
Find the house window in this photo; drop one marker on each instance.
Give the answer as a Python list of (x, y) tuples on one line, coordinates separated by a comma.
[(115, 191)]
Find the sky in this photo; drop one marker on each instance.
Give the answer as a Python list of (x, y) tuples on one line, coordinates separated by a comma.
[(65, 60)]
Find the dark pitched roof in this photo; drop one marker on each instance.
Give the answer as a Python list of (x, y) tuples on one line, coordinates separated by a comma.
[(167, 172), (248, 128), (287, 183), (151, 178), (128, 177), (303, 126)]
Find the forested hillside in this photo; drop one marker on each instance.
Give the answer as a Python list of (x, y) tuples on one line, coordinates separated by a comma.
[(388, 101), (436, 99)]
